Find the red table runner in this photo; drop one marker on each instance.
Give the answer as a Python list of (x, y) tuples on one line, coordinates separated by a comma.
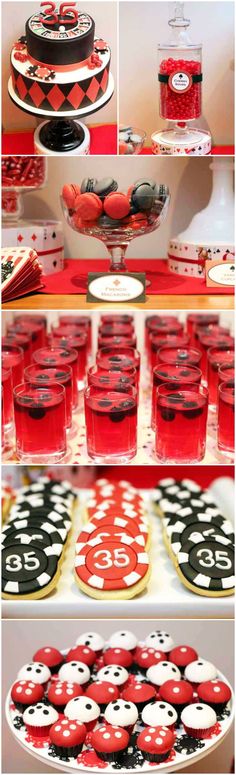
[(73, 279), (103, 141)]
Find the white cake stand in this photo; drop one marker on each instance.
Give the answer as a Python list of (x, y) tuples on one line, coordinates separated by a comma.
[(62, 133), (210, 234), (184, 141)]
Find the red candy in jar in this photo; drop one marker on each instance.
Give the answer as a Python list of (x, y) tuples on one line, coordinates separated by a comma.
[(180, 73)]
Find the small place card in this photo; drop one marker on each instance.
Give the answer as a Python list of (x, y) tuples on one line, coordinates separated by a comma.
[(220, 273), (116, 287)]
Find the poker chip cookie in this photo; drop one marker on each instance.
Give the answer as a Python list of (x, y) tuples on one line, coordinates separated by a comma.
[(39, 533), (115, 527), (215, 529), (28, 572), (207, 568), (111, 569)]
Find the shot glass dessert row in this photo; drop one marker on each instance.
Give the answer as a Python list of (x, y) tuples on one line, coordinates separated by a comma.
[(198, 538), (34, 538), (188, 369)]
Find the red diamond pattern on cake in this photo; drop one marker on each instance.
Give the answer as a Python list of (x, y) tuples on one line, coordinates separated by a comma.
[(36, 94), (55, 97), (75, 96), (21, 88), (103, 84), (93, 89)]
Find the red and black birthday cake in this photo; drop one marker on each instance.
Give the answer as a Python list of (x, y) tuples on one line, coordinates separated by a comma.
[(59, 66)]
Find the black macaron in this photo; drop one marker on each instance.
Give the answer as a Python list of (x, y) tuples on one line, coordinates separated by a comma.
[(104, 187), (87, 185)]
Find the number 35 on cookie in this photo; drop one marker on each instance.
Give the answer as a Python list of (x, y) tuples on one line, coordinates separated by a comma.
[(104, 558), (210, 558), (28, 561)]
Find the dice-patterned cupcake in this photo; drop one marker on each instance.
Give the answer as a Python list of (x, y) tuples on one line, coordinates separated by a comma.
[(83, 709), (50, 657), (25, 693), (61, 692), (67, 737), (39, 718), (110, 742), (155, 743), (102, 692), (159, 713), (122, 714), (140, 694), (199, 720), (215, 693)]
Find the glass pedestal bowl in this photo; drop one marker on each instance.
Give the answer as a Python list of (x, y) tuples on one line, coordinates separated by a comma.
[(113, 217)]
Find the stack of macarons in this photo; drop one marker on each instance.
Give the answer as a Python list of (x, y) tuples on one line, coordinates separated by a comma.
[(98, 203), (194, 530), (91, 698), (112, 559), (35, 537)]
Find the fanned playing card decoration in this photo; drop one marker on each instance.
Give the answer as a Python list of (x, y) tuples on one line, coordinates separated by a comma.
[(21, 272)]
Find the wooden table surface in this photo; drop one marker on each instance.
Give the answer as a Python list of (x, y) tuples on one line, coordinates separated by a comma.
[(43, 301)]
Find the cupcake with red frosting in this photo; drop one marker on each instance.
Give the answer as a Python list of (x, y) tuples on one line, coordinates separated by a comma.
[(140, 694), (61, 692), (25, 693), (198, 720), (177, 693), (155, 743), (147, 657), (102, 692), (110, 742), (50, 657), (118, 656), (67, 737), (83, 654), (216, 694), (39, 718), (181, 656)]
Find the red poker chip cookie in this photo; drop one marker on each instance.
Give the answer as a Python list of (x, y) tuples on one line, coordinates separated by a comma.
[(111, 565), (115, 527)]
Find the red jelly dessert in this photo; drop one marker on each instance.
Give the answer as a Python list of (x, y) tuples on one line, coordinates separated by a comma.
[(172, 373), (111, 424), (215, 693), (40, 421), (24, 693), (198, 319), (38, 375), (57, 357), (118, 656), (102, 692), (215, 357), (68, 737), (118, 359), (112, 380), (212, 340), (50, 657), (71, 337), (20, 340), (225, 433), (81, 654), (182, 656), (177, 103), (155, 743), (186, 356), (177, 693), (226, 372), (181, 414), (156, 341), (12, 358), (7, 400), (146, 657), (61, 692), (140, 693), (110, 742)]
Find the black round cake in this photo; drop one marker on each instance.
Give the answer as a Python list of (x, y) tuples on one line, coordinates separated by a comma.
[(45, 34)]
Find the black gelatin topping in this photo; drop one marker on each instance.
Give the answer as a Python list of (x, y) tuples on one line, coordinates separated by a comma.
[(37, 414), (26, 400), (104, 402), (184, 373), (191, 414), (116, 415)]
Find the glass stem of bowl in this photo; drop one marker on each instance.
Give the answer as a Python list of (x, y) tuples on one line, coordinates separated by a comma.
[(117, 256)]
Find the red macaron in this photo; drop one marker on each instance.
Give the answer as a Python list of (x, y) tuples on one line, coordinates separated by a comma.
[(116, 205)]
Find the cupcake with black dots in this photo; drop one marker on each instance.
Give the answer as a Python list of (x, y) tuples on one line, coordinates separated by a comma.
[(36, 672), (199, 720), (39, 718), (83, 709), (159, 639), (122, 713), (160, 713), (115, 674), (162, 672)]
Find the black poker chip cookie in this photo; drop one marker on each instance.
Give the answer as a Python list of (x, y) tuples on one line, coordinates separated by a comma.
[(177, 522), (27, 570), (24, 532), (61, 521), (208, 566), (213, 529)]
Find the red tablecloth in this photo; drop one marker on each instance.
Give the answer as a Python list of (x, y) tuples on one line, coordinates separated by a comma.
[(73, 279), (147, 476), (103, 141)]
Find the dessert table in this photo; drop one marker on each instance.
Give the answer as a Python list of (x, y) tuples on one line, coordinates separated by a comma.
[(67, 289)]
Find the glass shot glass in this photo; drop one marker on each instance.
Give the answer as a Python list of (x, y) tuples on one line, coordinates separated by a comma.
[(111, 424), (38, 375), (172, 373), (181, 422), (225, 429), (40, 422)]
